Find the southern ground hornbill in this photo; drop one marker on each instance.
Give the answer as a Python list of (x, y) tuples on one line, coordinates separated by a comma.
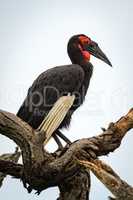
[(61, 80)]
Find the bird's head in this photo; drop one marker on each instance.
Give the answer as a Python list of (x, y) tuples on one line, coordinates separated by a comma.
[(82, 47)]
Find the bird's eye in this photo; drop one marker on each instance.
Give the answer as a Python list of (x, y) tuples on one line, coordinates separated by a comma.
[(91, 45)]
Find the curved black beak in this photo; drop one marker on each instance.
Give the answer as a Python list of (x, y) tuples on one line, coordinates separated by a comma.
[(95, 50)]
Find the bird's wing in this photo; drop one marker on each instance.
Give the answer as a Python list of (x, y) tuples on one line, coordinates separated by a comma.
[(66, 78), (49, 86)]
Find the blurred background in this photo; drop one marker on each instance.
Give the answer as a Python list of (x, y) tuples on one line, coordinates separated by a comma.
[(33, 38)]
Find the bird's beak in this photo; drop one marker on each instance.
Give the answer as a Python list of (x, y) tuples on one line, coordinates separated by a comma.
[(95, 50)]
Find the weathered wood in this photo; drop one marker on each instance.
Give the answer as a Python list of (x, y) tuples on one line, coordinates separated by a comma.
[(118, 187), (11, 168), (76, 187), (42, 169), (13, 157)]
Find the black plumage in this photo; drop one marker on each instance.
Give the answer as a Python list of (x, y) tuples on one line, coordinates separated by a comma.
[(59, 81), (51, 85)]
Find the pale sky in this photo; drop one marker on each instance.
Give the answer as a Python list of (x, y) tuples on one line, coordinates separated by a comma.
[(33, 38)]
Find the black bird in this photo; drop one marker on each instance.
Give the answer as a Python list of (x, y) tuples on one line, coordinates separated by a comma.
[(61, 80)]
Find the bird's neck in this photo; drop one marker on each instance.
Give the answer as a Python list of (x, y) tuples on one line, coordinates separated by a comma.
[(77, 57), (86, 65), (88, 70)]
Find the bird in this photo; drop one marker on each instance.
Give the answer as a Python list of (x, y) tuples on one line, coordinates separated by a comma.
[(58, 81)]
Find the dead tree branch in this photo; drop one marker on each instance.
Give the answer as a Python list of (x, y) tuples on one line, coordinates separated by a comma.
[(10, 157), (42, 169), (118, 187)]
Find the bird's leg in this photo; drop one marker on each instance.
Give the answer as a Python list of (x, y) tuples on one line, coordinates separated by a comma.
[(60, 146), (60, 134)]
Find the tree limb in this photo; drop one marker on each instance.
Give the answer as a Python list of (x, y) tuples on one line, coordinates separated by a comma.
[(11, 168), (119, 188), (42, 169), (12, 157)]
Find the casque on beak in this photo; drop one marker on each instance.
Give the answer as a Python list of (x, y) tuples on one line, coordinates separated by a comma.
[(95, 50)]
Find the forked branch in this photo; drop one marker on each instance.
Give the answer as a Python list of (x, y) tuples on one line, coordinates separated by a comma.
[(42, 169)]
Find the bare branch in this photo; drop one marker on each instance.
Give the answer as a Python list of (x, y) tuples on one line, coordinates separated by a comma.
[(30, 141), (112, 137), (101, 144), (42, 169), (13, 157), (20, 132), (11, 168), (119, 188)]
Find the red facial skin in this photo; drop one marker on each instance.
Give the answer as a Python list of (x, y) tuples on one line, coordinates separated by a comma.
[(84, 40)]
